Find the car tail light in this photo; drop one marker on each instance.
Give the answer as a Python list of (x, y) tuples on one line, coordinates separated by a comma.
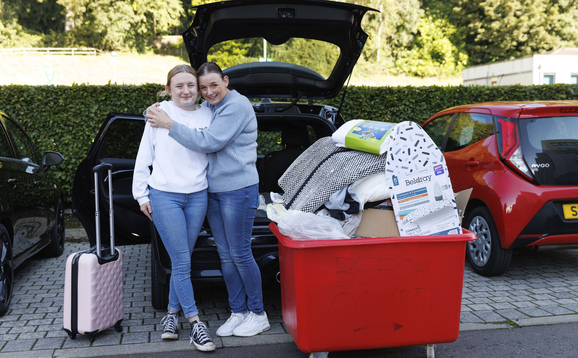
[(510, 148)]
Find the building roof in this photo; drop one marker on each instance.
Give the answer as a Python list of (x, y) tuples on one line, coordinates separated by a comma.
[(563, 51)]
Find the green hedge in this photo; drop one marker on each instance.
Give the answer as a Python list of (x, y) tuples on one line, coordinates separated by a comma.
[(67, 118), (398, 104)]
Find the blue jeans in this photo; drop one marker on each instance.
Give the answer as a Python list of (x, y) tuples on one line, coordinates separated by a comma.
[(178, 219), (231, 215)]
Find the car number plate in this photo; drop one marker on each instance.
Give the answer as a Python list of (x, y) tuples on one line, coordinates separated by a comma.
[(570, 211)]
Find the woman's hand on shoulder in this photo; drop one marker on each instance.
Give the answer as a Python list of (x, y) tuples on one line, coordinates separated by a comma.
[(159, 118), (152, 106)]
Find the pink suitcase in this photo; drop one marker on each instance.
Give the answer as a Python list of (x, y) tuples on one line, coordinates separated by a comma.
[(93, 286)]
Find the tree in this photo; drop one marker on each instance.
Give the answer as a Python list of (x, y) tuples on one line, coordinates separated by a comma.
[(293, 52), (498, 30), (13, 34), (391, 29), (156, 17), (432, 52), (37, 16), (74, 11), (120, 24), (229, 53)]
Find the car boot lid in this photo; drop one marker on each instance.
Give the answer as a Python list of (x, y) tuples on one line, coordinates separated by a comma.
[(277, 22)]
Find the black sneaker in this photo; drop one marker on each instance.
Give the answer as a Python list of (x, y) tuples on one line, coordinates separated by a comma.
[(200, 337), (170, 323)]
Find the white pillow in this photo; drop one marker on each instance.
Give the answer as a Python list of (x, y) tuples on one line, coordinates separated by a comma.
[(370, 188)]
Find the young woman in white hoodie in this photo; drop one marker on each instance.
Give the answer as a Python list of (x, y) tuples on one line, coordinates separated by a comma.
[(174, 196)]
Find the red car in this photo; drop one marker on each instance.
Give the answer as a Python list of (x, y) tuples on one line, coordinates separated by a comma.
[(521, 159)]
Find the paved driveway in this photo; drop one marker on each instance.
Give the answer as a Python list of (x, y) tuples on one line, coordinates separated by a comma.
[(540, 288)]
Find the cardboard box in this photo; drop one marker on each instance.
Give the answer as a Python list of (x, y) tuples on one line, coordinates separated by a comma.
[(377, 223), (382, 223)]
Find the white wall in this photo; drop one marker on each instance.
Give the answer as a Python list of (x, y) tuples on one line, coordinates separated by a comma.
[(524, 71), (561, 66), (503, 73)]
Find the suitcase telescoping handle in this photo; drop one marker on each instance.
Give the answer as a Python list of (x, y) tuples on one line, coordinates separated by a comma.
[(98, 169)]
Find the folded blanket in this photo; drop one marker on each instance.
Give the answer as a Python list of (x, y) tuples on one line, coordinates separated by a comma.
[(323, 169)]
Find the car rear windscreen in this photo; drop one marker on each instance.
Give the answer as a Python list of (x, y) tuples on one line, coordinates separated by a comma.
[(550, 148)]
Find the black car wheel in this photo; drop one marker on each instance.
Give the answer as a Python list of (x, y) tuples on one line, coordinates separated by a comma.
[(6, 270), (56, 246), (486, 254)]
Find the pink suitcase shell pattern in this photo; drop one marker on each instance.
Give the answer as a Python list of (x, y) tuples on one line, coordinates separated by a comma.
[(99, 295), (94, 284)]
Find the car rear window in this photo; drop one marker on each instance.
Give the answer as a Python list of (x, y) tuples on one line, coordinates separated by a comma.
[(550, 147)]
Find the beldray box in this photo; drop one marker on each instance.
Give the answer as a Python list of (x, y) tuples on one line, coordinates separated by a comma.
[(418, 180), (424, 203), (372, 292)]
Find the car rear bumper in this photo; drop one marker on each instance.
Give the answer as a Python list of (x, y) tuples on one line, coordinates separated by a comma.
[(549, 226), (558, 240), (526, 213)]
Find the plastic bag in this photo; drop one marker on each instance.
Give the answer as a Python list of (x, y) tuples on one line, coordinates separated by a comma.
[(305, 226)]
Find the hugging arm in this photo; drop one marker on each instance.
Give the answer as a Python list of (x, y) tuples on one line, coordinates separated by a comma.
[(158, 118)]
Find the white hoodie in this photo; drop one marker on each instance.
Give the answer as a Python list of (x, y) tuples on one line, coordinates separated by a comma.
[(176, 169)]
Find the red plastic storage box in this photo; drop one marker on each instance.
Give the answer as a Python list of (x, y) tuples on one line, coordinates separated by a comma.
[(372, 292)]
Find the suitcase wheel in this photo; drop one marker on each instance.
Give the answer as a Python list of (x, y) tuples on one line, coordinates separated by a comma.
[(70, 334), (118, 327)]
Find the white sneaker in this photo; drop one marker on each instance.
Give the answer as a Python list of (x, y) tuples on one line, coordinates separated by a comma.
[(252, 325), (233, 322)]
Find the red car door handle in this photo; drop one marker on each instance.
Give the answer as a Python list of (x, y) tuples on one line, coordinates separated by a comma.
[(472, 163)]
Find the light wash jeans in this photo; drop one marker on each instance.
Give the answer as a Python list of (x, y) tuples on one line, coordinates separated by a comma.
[(178, 219), (231, 215)]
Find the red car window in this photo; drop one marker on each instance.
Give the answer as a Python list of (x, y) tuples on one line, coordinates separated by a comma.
[(469, 128)]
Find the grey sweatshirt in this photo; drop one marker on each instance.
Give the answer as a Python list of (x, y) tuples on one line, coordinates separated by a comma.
[(230, 143)]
